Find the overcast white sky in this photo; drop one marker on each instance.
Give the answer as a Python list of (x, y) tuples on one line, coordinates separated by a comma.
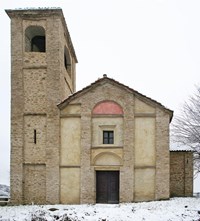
[(152, 46)]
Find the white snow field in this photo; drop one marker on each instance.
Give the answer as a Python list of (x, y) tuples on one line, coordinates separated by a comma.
[(174, 209)]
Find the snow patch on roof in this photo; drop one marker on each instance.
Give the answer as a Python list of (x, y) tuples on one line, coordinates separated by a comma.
[(179, 147)]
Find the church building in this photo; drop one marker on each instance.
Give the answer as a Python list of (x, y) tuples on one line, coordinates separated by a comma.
[(106, 143)]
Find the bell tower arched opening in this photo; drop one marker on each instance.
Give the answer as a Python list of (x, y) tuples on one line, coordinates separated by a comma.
[(35, 40)]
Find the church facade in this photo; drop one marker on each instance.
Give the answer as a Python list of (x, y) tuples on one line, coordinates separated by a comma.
[(126, 143), (106, 143)]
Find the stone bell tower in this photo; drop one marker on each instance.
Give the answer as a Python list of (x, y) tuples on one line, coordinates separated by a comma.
[(42, 75)]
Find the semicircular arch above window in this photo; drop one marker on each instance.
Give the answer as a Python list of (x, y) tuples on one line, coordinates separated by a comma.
[(107, 107)]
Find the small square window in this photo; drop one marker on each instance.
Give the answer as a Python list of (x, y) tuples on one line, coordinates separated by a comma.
[(108, 137)]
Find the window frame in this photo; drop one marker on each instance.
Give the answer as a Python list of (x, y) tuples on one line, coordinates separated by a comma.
[(108, 136), (106, 127)]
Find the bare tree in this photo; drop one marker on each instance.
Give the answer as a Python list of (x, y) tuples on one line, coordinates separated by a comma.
[(186, 127)]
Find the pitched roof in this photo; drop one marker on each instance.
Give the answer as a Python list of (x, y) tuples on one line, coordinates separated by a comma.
[(107, 79)]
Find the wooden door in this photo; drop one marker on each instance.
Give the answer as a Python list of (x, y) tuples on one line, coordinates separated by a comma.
[(107, 186)]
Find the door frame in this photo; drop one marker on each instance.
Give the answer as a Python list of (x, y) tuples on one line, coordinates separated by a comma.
[(109, 176)]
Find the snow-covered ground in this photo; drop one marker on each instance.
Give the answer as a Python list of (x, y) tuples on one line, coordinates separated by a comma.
[(174, 209), (4, 190)]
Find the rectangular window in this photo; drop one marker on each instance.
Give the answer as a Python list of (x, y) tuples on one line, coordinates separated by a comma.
[(108, 137), (35, 137)]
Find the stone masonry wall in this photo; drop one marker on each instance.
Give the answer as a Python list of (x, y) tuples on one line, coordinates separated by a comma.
[(162, 155), (53, 123), (181, 173), (36, 90), (17, 104), (34, 176)]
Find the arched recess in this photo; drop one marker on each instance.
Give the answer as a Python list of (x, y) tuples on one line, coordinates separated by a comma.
[(35, 40), (67, 61), (107, 159), (107, 107)]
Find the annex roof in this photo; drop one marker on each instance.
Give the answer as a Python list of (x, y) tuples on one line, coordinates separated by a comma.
[(181, 150)]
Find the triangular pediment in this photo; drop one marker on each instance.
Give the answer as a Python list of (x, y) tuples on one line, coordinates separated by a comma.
[(143, 101)]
